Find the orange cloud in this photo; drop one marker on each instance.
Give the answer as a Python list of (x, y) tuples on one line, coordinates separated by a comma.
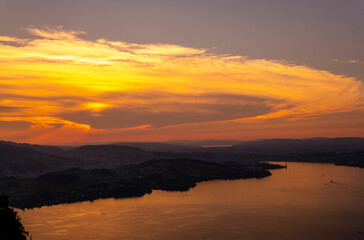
[(58, 81)]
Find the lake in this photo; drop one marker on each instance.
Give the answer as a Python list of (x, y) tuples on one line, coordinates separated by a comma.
[(304, 201)]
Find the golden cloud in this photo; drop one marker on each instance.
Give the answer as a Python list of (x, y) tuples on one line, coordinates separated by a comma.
[(59, 80)]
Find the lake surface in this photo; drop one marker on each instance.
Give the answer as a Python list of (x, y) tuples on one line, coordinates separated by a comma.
[(304, 201)]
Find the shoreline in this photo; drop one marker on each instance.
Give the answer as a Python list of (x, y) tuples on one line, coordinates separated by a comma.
[(76, 185)]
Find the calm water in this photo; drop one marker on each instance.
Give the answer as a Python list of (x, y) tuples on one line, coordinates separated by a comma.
[(305, 201)]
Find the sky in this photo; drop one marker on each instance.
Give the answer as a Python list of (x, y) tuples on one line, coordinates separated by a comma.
[(158, 70)]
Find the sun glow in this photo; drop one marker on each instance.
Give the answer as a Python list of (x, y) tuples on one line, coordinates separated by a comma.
[(55, 80)]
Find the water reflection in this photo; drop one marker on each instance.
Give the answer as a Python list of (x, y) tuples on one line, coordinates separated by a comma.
[(305, 201)]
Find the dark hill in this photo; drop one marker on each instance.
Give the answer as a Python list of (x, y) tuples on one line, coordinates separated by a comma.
[(310, 145), (17, 161), (111, 156), (160, 147), (205, 143), (182, 174), (40, 148), (73, 185)]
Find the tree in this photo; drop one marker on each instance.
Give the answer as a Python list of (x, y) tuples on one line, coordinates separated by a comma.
[(10, 226)]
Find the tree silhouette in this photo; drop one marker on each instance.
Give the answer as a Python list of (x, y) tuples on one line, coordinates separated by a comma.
[(10, 226)]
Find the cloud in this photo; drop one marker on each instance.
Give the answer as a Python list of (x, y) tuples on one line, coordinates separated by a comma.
[(351, 61), (58, 82), (5, 109), (56, 33), (175, 113)]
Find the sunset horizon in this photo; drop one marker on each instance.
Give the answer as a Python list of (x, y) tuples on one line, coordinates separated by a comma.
[(59, 87), (181, 119)]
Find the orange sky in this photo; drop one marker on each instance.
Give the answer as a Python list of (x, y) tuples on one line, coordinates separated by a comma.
[(57, 87)]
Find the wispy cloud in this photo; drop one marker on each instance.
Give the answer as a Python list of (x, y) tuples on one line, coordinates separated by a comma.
[(351, 61), (57, 81)]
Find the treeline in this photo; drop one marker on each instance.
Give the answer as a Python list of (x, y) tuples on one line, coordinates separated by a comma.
[(74, 185), (10, 226)]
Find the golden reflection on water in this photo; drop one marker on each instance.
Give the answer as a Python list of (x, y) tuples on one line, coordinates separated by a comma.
[(305, 201)]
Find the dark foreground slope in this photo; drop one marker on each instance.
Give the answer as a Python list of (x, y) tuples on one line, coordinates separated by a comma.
[(10, 226), (128, 181)]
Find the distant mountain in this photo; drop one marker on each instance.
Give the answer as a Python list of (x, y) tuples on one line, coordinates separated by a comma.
[(206, 143), (309, 145), (29, 159), (215, 153), (160, 147), (15, 161), (110, 156), (352, 159), (264, 146), (40, 148)]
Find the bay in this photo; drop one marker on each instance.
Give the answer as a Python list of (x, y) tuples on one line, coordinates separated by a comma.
[(304, 201)]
